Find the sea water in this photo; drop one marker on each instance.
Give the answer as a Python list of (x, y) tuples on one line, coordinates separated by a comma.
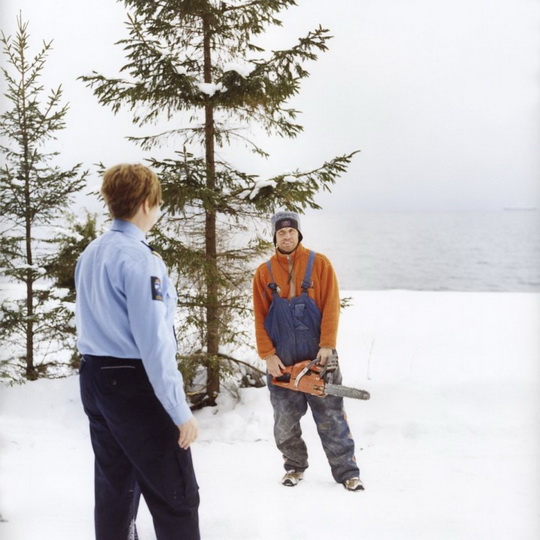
[(446, 251)]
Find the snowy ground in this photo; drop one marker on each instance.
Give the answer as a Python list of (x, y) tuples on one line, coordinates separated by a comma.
[(448, 445)]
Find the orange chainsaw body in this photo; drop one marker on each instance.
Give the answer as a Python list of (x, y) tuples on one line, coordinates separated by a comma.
[(310, 382)]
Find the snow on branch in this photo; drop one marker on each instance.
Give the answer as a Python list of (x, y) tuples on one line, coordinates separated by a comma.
[(243, 69), (210, 88)]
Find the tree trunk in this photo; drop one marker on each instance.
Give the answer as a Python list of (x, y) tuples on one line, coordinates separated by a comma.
[(30, 368), (212, 316)]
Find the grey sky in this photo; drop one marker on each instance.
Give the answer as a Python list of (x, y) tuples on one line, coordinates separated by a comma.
[(442, 98)]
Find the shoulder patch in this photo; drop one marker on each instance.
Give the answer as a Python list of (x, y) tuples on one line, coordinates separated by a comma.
[(155, 283)]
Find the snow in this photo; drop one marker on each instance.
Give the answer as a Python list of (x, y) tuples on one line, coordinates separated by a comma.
[(180, 70), (251, 193), (24, 266), (290, 179), (242, 68), (210, 88), (448, 444), (62, 232)]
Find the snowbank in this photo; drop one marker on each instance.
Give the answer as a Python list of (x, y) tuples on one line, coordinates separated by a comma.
[(448, 445)]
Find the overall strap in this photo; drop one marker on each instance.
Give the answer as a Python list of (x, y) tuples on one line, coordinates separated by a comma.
[(272, 285), (307, 275)]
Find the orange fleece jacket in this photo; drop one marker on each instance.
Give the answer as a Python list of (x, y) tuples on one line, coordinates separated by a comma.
[(323, 289)]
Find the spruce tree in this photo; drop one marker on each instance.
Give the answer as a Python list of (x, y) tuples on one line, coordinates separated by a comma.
[(196, 65), (68, 244), (33, 196)]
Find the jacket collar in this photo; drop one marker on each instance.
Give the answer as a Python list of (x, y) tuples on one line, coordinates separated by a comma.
[(128, 228), (298, 252)]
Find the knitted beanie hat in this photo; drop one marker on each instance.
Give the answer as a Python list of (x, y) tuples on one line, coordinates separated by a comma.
[(280, 220)]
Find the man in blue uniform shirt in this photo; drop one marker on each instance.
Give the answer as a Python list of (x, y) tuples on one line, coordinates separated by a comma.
[(132, 392)]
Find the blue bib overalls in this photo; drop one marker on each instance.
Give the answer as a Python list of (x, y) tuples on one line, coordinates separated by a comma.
[(294, 327)]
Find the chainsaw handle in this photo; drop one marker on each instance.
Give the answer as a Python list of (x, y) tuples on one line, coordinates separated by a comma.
[(285, 377), (297, 370)]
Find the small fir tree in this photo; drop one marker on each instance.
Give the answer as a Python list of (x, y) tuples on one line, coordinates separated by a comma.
[(69, 243), (195, 63), (33, 196)]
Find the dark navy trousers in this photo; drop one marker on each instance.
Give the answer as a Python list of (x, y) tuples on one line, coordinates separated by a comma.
[(136, 451)]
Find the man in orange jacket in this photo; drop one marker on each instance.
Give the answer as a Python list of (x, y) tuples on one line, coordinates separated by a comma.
[(296, 304)]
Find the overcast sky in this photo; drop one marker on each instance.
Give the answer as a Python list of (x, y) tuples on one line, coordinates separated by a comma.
[(442, 98)]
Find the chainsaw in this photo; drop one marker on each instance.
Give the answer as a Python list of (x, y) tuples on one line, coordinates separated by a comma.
[(310, 377)]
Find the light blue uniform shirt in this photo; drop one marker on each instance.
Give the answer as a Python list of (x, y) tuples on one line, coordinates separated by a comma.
[(125, 308)]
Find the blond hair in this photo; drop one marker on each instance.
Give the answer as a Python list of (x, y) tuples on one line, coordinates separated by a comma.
[(125, 187)]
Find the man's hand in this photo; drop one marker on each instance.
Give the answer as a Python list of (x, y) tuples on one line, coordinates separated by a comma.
[(274, 365), (189, 431), (323, 354)]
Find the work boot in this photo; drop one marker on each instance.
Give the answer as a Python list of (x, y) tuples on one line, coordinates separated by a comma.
[(353, 484), (292, 478)]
